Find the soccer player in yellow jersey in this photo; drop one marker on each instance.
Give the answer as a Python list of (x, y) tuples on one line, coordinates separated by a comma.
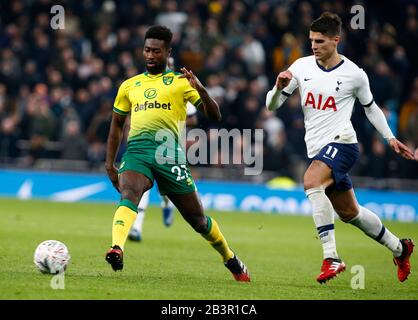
[(157, 101)]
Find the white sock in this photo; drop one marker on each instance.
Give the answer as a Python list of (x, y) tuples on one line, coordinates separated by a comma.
[(143, 203), (323, 216), (142, 206), (371, 225), (166, 203), (139, 220)]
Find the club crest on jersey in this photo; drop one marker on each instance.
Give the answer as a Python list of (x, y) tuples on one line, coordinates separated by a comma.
[(338, 85), (168, 80), (317, 103)]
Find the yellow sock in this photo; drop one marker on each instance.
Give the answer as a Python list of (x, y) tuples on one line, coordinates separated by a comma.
[(124, 217), (217, 240)]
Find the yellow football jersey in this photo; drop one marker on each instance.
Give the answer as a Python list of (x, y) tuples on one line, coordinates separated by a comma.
[(156, 102)]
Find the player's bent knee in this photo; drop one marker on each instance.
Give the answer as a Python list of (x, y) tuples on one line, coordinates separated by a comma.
[(347, 215), (131, 195), (310, 183)]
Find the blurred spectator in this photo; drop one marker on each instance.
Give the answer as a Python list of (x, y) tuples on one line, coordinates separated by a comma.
[(381, 83), (292, 115), (98, 130), (286, 54), (280, 21), (9, 134), (173, 18), (278, 156), (272, 126), (213, 35), (408, 117), (74, 145), (252, 53), (409, 38), (249, 111), (378, 163), (39, 123)]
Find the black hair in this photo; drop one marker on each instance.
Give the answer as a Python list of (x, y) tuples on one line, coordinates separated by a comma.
[(161, 33), (328, 24)]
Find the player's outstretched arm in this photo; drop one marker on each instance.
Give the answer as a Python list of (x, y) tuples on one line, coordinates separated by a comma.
[(210, 106), (113, 141), (274, 98), (377, 118)]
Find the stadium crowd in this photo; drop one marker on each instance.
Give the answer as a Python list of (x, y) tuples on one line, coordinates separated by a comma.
[(57, 86)]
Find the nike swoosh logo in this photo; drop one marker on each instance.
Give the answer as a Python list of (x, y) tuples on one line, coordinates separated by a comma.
[(307, 79), (79, 193), (25, 190)]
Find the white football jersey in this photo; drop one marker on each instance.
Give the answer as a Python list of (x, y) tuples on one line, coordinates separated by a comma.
[(327, 98), (191, 109)]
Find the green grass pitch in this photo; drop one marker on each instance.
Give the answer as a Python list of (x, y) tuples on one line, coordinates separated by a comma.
[(281, 251)]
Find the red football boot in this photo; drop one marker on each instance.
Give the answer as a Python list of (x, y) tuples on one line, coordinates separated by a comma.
[(330, 268), (238, 269), (115, 257), (404, 266)]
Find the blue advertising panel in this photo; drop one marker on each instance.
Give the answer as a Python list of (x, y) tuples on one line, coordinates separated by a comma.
[(223, 196)]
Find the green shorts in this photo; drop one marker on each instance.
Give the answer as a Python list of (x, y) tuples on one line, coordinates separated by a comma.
[(168, 166)]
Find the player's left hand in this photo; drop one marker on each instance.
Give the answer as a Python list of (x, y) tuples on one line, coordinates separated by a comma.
[(112, 173), (401, 149), (193, 80)]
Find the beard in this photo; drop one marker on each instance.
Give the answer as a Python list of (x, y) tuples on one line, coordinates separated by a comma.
[(156, 69)]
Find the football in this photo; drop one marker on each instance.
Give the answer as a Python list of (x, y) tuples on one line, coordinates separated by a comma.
[(51, 256)]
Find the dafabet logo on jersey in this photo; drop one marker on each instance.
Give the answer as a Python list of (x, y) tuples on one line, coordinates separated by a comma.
[(151, 93), (152, 105)]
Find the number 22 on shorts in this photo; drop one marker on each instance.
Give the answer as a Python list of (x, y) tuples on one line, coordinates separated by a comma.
[(177, 170)]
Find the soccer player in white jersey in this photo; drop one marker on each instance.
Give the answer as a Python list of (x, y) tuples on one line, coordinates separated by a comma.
[(328, 84)]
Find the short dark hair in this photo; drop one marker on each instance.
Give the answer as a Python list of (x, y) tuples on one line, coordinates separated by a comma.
[(161, 33), (328, 24)]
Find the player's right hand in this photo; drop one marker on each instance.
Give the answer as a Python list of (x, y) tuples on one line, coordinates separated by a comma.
[(401, 149), (283, 79), (112, 173), (193, 80)]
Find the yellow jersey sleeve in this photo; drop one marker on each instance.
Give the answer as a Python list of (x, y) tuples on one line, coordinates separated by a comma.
[(122, 104), (191, 95)]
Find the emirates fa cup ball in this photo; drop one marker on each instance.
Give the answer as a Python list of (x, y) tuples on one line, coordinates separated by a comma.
[(51, 256)]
